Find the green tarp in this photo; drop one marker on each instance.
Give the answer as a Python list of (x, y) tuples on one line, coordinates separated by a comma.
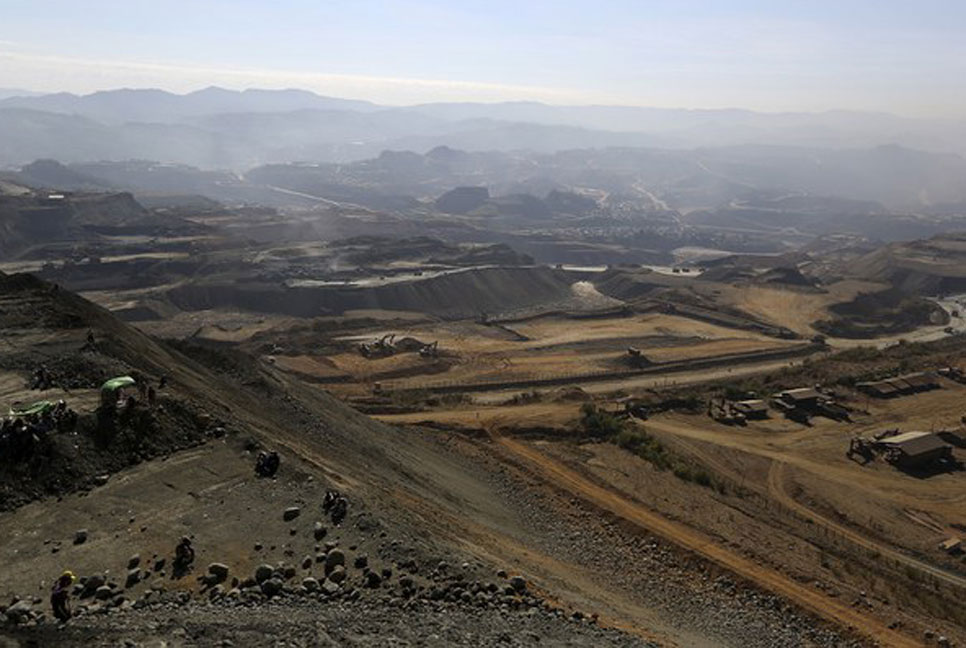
[(34, 408), (114, 384)]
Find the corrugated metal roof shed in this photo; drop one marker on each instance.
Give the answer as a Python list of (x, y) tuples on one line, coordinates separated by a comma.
[(899, 384), (756, 405), (801, 394), (915, 443), (920, 380), (877, 387)]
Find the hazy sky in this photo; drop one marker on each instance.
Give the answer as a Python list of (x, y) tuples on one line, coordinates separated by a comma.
[(895, 55)]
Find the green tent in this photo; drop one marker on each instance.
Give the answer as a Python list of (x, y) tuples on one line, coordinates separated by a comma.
[(114, 384), (34, 408)]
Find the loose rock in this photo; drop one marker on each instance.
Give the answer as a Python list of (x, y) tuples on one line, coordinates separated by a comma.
[(263, 573), (219, 571)]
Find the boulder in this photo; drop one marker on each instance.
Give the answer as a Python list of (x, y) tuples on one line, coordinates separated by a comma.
[(319, 531), (518, 583), (80, 536), (272, 587), (330, 587), (133, 578), (263, 573), (219, 571), (291, 513), (373, 580), (19, 612), (338, 574), (103, 593), (361, 561), (134, 561), (92, 583), (335, 558), (310, 584)]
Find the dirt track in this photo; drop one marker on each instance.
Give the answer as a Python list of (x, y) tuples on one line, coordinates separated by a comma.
[(776, 488), (690, 539)]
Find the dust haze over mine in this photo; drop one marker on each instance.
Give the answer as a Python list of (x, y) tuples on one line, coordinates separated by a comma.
[(482, 344)]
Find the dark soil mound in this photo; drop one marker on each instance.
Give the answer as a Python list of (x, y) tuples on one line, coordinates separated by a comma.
[(458, 294), (883, 313)]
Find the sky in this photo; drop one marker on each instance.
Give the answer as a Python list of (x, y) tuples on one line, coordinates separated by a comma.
[(780, 55)]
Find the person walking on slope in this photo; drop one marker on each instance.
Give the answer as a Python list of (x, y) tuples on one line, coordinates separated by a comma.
[(60, 596)]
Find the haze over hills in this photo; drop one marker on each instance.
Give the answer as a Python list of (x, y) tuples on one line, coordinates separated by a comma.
[(218, 128), (768, 180)]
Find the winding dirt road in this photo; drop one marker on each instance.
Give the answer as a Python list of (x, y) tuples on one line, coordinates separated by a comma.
[(769, 579)]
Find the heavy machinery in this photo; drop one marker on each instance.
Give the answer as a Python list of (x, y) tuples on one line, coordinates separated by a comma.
[(430, 350), (381, 348)]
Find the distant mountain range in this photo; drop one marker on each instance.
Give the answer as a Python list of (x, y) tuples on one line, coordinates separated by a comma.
[(151, 105), (217, 128), (6, 93)]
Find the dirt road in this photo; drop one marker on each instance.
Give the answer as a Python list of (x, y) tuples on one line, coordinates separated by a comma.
[(692, 540), (776, 487)]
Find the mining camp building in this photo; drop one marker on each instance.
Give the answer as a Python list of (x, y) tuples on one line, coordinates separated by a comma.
[(916, 449), (804, 397), (752, 409), (900, 385)]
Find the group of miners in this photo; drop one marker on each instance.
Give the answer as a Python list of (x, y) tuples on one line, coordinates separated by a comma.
[(42, 378), (18, 434)]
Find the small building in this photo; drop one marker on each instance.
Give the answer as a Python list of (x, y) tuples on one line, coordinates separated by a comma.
[(752, 409), (900, 385), (804, 397), (921, 381), (915, 449), (877, 389)]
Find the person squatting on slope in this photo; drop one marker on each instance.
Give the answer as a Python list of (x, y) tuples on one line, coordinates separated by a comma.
[(60, 596), (267, 463), (336, 505), (184, 555)]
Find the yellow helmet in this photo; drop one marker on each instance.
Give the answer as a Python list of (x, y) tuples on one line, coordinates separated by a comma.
[(69, 574)]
